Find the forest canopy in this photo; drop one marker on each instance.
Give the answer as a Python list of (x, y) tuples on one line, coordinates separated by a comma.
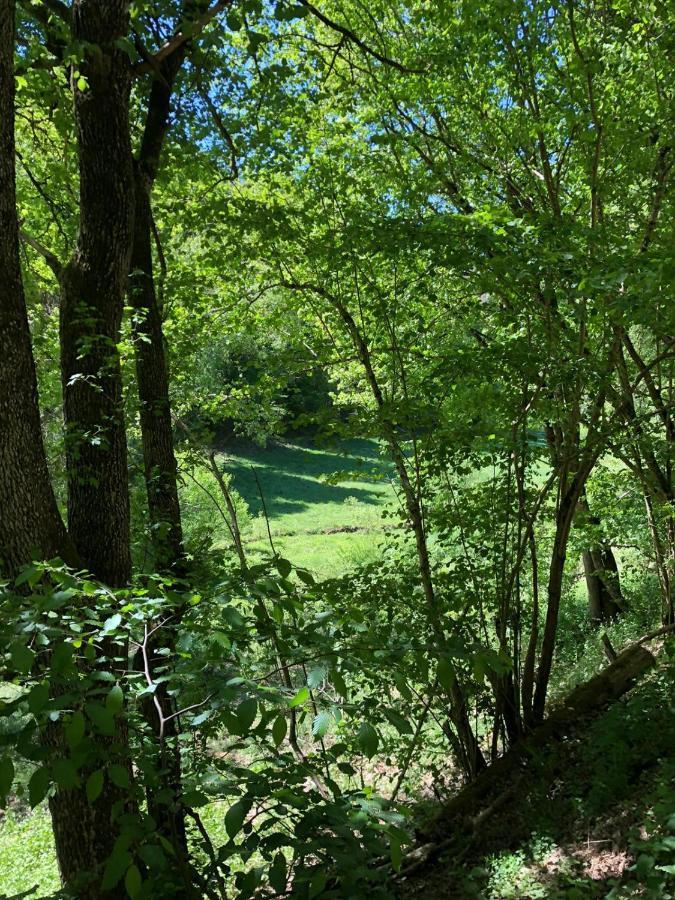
[(337, 429)]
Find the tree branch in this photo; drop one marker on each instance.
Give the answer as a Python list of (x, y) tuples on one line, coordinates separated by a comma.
[(351, 36), (185, 33), (50, 258)]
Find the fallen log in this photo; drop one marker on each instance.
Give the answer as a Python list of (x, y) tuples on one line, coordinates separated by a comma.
[(457, 818)]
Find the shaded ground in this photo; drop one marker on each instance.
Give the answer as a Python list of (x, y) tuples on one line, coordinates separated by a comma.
[(603, 826)]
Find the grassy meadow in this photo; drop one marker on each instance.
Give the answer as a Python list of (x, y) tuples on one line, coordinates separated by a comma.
[(325, 505)]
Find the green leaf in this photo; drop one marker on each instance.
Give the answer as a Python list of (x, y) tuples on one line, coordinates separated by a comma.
[(118, 863), (445, 673), (284, 568), (114, 702), (102, 718), (62, 658), (301, 697), (75, 729), (110, 625), (278, 874), (6, 777), (133, 881), (279, 730), (234, 818), (195, 799), (22, 657), (396, 854), (95, 785), (38, 786), (32, 574), (321, 724), (246, 713), (401, 724), (65, 773), (317, 885), (368, 740), (305, 577), (38, 698), (118, 775), (315, 676), (339, 683)]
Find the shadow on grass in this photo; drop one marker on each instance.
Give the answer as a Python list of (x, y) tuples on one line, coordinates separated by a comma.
[(290, 475)]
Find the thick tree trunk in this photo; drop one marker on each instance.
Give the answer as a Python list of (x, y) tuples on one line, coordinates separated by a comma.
[(30, 524), (93, 285), (92, 297)]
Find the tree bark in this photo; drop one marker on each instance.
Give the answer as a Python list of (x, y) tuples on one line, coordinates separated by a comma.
[(161, 473), (30, 523), (605, 601), (602, 584), (151, 364), (92, 297), (93, 285)]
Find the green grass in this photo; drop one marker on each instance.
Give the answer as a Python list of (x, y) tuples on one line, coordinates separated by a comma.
[(27, 855), (308, 516)]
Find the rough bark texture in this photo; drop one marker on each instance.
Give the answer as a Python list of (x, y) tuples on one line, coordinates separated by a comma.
[(153, 393), (92, 292), (30, 523), (161, 476), (93, 285)]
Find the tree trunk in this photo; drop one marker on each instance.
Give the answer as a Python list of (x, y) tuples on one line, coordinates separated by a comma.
[(563, 524), (92, 297), (30, 524), (93, 285), (159, 460), (602, 584), (605, 601), (153, 392)]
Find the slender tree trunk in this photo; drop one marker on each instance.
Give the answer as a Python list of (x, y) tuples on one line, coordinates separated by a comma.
[(92, 297), (563, 523), (161, 471), (30, 524), (153, 392)]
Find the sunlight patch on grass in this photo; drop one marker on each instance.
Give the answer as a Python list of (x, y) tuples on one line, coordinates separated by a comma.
[(27, 854)]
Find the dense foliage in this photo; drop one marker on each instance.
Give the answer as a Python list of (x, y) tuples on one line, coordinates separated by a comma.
[(444, 227)]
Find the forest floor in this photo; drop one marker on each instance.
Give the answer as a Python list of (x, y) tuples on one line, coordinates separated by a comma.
[(604, 826)]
